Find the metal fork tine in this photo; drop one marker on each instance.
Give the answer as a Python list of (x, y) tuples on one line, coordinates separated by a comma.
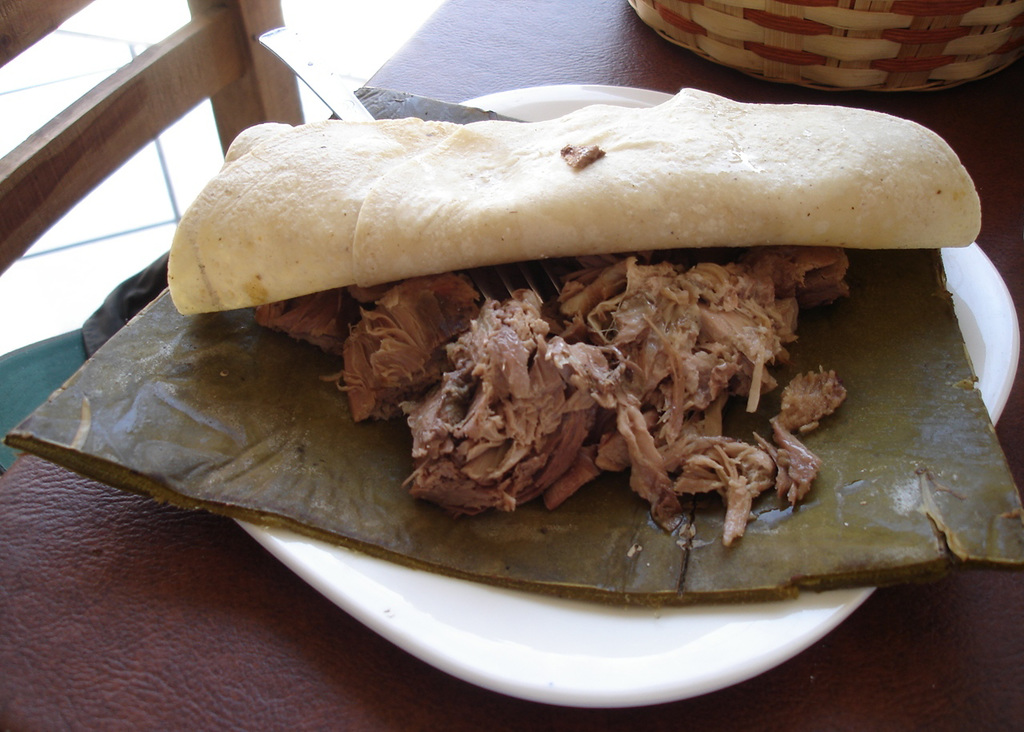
[(488, 283), (544, 280), (512, 277), (500, 281), (526, 270)]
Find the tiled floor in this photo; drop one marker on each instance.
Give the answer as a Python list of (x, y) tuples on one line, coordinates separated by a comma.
[(128, 221)]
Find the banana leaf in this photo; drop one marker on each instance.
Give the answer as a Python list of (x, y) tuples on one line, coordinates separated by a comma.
[(213, 412)]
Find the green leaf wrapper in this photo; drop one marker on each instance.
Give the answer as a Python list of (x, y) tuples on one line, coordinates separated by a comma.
[(215, 412)]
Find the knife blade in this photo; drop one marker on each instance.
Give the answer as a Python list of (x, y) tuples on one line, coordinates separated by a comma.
[(300, 56), (366, 103), (390, 104)]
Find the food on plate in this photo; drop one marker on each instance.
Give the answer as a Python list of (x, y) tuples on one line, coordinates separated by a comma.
[(688, 237), (628, 368)]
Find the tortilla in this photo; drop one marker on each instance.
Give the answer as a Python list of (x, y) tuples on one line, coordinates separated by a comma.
[(277, 221), (335, 203)]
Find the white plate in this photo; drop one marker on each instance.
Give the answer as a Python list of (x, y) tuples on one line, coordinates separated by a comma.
[(588, 655)]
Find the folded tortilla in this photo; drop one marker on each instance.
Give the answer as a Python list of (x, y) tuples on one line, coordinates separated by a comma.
[(278, 220), (298, 210)]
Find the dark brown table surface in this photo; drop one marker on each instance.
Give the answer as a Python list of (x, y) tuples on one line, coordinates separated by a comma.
[(116, 612)]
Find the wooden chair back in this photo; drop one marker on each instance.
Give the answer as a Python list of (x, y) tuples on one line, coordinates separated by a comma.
[(215, 56)]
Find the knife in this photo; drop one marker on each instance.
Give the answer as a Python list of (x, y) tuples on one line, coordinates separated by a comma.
[(300, 56), (390, 104), (367, 103)]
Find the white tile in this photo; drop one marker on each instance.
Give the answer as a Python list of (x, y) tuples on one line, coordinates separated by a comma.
[(133, 197), (55, 293), (192, 154), (130, 20), (25, 111), (63, 55), (49, 77)]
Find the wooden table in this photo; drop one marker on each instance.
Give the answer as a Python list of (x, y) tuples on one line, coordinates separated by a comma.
[(119, 613)]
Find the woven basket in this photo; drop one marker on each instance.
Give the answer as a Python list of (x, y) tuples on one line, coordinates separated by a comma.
[(881, 45)]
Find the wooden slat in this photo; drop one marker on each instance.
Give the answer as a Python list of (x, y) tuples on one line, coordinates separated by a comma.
[(268, 91), (26, 21), (46, 175)]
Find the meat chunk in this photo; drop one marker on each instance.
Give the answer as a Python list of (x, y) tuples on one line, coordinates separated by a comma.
[(323, 318), (580, 156), (813, 275), (396, 351), (648, 476), (808, 398), (797, 466)]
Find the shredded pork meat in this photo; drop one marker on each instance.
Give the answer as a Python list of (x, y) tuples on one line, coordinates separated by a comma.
[(512, 416), (396, 351), (323, 318), (688, 339), (629, 369), (808, 398)]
